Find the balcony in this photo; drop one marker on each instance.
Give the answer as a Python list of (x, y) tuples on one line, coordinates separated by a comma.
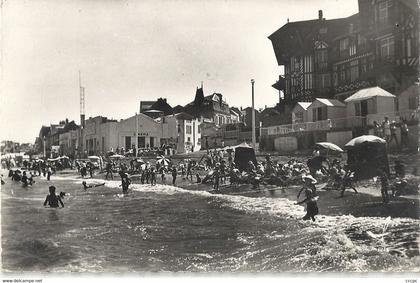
[(336, 124)]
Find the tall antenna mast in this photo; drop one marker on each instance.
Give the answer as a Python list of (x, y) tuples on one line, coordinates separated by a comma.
[(82, 102)]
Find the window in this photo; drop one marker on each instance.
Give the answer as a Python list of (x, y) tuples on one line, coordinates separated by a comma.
[(412, 103), (357, 109), (344, 46), (353, 49), (321, 58), (384, 8), (189, 139), (387, 47), (299, 117), (188, 129), (324, 81), (354, 70), (408, 47), (199, 129)]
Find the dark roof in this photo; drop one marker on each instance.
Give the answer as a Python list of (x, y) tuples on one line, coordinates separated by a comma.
[(178, 109), (298, 38), (184, 116), (163, 106), (269, 111)]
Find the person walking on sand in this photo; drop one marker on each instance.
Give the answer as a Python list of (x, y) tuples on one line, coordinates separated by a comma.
[(174, 173), (311, 205), (52, 199)]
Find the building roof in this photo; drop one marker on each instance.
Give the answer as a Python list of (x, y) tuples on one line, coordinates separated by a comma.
[(330, 102), (184, 116), (304, 105), (298, 38), (367, 93)]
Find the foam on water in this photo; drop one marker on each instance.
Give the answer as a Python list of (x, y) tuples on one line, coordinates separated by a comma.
[(332, 243)]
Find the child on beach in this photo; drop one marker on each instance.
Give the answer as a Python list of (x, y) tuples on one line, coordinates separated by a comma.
[(52, 199)]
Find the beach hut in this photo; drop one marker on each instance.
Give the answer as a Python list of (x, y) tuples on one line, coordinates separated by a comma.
[(243, 154), (373, 104), (365, 155)]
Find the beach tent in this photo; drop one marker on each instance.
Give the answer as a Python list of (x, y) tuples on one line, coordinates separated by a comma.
[(243, 154), (365, 155)]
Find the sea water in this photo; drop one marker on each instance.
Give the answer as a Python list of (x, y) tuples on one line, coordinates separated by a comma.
[(162, 228)]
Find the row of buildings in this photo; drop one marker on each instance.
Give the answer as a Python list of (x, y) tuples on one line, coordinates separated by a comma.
[(197, 125)]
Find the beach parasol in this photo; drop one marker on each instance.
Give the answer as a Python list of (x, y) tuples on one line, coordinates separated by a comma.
[(117, 156), (328, 146), (365, 139), (162, 160)]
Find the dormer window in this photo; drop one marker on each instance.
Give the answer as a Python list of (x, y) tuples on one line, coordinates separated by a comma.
[(384, 9)]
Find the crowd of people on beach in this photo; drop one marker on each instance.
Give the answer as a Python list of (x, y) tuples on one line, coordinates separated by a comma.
[(388, 130), (219, 170)]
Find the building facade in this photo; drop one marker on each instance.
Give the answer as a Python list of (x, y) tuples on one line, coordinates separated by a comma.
[(335, 58)]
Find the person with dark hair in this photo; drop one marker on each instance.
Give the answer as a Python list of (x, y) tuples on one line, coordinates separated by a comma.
[(125, 181), (198, 178), (174, 173), (404, 133), (216, 179), (52, 199), (347, 181), (49, 172), (24, 179), (383, 178), (152, 176), (108, 170), (91, 170)]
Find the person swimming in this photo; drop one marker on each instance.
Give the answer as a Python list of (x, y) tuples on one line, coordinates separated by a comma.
[(86, 186), (52, 199)]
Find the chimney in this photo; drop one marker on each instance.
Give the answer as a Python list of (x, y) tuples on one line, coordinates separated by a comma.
[(320, 17)]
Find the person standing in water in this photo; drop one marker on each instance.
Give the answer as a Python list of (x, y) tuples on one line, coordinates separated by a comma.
[(174, 173), (311, 205), (52, 199), (49, 172), (153, 176), (383, 178)]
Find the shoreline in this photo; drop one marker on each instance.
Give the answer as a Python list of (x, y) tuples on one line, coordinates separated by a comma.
[(366, 203)]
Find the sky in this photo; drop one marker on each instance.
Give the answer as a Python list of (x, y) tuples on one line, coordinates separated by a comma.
[(128, 51)]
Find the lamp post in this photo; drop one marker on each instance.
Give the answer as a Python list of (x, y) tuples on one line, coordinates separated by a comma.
[(137, 135), (253, 116), (45, 155)]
